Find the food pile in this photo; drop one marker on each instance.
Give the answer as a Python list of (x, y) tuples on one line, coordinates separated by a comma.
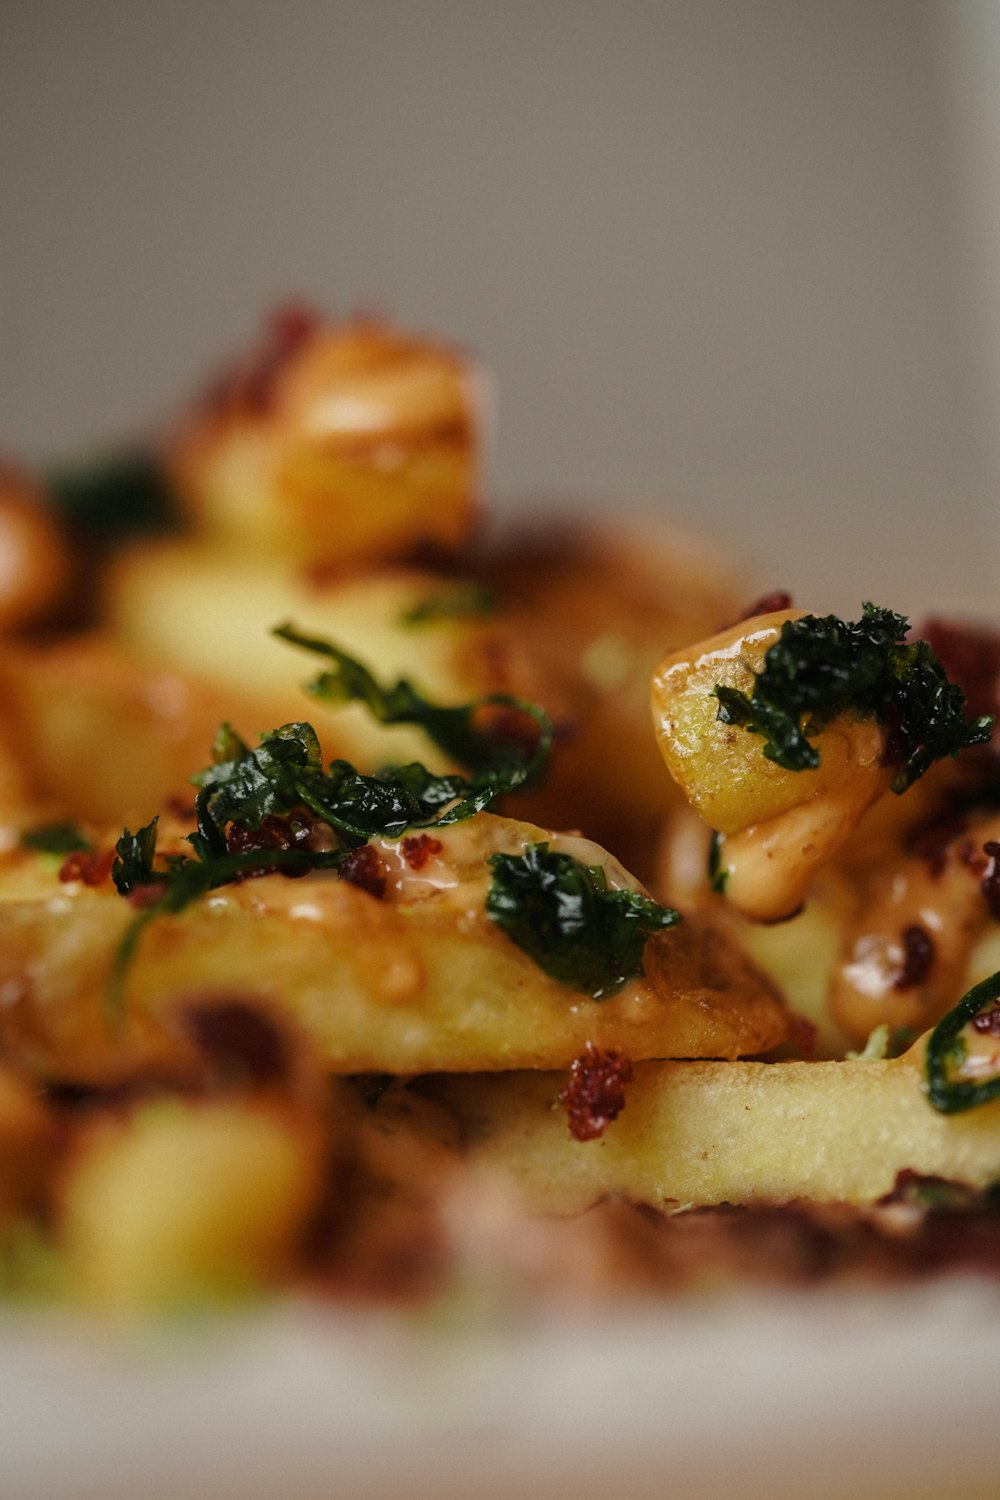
[(391, 903)]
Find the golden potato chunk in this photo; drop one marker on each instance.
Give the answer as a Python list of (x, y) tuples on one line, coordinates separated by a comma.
[(209, 616), (694, 1133), (414, 979), (182, 1201), (333, 445), (777, 826)]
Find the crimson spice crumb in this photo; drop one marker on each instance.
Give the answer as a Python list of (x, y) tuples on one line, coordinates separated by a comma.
[(804, 1036), (274, 832), (363, 868), (767, 604), (991, 880), (918, 957), (419, 849), (988, 1022), (91, 866), (595, 1093)]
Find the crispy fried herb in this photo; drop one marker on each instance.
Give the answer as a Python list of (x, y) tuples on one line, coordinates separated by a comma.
[(134, 853), (947, 1050), (55, 838), (284, 775), (503, 740), (114, 498), (469, 601), (822, 666), (564, 915)]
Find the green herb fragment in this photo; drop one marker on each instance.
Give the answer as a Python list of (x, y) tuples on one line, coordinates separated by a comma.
[(876, 1048), (122, 496), (502, 740), (947, 1050), (55, 838), (465, 602), (718, 875), (134, 854), (283, 778), (822, 666), (564, 915)]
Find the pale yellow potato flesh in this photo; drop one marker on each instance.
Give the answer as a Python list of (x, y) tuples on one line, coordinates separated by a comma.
[(777, 827), (186, 1200), (701, 1133), (421, 981), (209, 615), (359, 443)]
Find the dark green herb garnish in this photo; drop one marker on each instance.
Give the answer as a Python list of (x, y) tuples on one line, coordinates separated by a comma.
[(284, 778), (717, 872), (470, 601), (55, 838), (504, 741), (564, 915), (822, 666), (133, 866), (111, 499), (947, 1050)]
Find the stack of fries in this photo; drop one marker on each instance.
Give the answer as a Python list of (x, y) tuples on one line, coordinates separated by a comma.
[(612, 968)]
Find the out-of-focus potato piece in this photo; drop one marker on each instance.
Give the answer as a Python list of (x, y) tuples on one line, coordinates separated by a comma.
[(35, 564), (334, 445), (104, 739), (778, 826), (200, 612), (596, 606), (696, 1133), (182, 1201), (27, 1147), (907, 947), (419, 981)]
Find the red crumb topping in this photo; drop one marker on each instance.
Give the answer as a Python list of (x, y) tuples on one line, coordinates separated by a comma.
[(141, 896), (363, 868), (250, 384), (804, 1037), (419, 849), (767, 604), (91, 866), (504, 724), (991, 880), (971, 657), (274, 833), (239, 1042), (930, 841), (595, 1093), (918, 957), (988, 1023)]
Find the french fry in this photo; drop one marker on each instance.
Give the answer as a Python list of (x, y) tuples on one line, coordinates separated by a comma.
[(420, 981), (698, 1133)]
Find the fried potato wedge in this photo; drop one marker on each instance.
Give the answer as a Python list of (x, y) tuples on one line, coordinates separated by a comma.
[(103, 738), (184, 1200), (698, 1133), (209, 616), (596, 605), (334, 444), (420, 980)]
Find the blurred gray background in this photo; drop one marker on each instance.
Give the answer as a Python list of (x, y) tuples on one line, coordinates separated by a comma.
[(736, 261)]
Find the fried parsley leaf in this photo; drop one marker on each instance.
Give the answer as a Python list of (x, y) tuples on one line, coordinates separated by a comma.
[(947, 1050), (55, 838), (503, 741), (564, 915), (134, 855), (822, 666)]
